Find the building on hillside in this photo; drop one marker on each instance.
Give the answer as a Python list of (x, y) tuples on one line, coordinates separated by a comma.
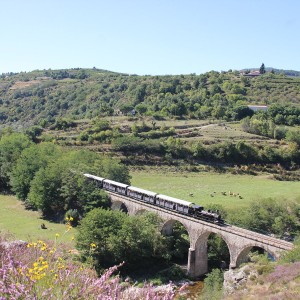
[(251, 74), (258, 107)]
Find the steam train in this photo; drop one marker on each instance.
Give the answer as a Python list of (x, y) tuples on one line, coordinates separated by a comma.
[(166, 202)]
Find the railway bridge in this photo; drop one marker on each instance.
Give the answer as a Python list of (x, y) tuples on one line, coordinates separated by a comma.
[(239, 241)]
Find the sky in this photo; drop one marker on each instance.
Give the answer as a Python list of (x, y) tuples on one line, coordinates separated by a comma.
[(149, 37)]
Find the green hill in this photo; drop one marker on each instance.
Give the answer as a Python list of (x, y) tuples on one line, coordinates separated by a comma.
[(44, 95)]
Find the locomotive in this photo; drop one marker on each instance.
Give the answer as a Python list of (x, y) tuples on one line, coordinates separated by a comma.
[(181, 206)]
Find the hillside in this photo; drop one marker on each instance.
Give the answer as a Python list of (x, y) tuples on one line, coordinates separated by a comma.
[(39, 97)]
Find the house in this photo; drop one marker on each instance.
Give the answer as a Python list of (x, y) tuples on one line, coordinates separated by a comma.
[(252, 74), (258, 107)]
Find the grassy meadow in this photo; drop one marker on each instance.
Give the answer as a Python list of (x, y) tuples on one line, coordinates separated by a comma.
[(26, 224), (207, 187)]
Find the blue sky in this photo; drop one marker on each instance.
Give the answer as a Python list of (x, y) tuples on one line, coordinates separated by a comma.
[(149, 37)]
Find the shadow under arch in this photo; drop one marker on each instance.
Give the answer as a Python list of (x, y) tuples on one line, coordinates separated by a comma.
[(243, 256), (119, 205)]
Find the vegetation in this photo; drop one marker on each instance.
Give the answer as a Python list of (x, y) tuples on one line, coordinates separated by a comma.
[(42, 97), (49, 179), (26, 224), (213, 285), (243, 163), (41, 270), (269, 280), (136, 240)]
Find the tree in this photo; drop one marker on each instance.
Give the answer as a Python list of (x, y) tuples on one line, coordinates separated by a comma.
[(11, 147), (139, 241), (30, 161), (116, 237), (80, 194), (271, 217), (262, 69), (45, 191), (94, 232)]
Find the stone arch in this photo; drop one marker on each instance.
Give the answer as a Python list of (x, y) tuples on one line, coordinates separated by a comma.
[(200, 255), (242, 256), (119, 205), (167, 227)]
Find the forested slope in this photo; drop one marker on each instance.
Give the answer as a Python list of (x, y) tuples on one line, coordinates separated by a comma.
[(42, 96)]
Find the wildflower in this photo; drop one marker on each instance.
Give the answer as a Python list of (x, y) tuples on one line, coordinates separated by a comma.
[(73, 238), (93, 245), (56, 234)]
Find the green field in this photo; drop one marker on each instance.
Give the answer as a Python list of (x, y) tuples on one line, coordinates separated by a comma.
[(26, 224), (207, 187)]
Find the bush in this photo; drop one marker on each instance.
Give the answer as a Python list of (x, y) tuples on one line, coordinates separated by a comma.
[(213, 285)]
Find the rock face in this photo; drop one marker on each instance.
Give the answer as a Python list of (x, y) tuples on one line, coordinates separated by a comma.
[(235, 279)]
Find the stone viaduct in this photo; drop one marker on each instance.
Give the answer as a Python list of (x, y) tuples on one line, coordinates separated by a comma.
[(239, 241)]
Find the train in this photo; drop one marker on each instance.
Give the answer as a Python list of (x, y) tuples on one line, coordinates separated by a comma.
[(177, 205)]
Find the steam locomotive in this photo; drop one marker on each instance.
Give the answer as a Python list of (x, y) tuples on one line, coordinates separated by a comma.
[(181, 206)]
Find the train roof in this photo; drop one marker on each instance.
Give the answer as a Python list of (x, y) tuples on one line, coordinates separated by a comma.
[(116, 183), (135, 189), (175, 200), (94, 177)]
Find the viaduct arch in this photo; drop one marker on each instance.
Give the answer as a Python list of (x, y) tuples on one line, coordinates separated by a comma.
[(239, 241)]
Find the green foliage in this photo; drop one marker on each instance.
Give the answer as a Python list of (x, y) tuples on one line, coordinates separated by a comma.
[(293, 255), (29, 162), (262, 69), (112, 237), (111, 168), (96, 228), (63, 124), (178, 243), (127, 143), (81, 194), (44, 191), (218, 251), (88, 93), (33, 132), (213, 286), (271, 217), (11, 147), (293, 136), (139, 240)]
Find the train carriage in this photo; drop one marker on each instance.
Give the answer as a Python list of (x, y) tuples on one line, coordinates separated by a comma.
[(98, 180), (115, 186), (179, 205), (141, 194)]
